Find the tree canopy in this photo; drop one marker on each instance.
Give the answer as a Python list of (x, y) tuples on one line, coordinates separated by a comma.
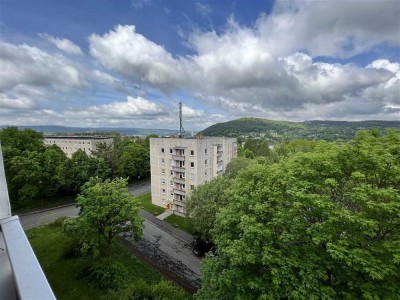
[(322, 224), (107, 209)]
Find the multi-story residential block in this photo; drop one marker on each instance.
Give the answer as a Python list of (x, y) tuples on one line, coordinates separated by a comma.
[(178, 165), (70, 144)]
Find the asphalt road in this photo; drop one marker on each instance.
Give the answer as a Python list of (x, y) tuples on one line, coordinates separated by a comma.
[(168, 254), (47, 216)]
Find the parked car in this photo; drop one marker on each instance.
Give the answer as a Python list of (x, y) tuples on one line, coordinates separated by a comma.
[(201, 247), (213, 251)]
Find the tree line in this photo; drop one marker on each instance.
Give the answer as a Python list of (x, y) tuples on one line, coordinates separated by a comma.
[(308, 220), (36, 172)]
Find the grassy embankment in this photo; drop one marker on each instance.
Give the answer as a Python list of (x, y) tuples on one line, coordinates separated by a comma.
[(145, 203), (181, 223), (71, 277)]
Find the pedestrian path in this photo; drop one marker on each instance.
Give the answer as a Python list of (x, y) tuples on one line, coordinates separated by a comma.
[(180, 234), (164, 215)]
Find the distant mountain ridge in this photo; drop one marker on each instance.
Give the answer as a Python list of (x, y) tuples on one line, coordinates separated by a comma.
[(48, 129), (278, 130)]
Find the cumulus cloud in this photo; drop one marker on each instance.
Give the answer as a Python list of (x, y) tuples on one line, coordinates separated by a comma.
[(330, 28), (62, 44), (133, 55), (26, 65), (271, 69), (30, 75)]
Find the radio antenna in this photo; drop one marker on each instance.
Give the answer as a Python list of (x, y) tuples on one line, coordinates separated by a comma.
[(182, 132)]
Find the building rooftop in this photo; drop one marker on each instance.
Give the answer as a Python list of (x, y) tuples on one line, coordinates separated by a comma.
[(83, 137)]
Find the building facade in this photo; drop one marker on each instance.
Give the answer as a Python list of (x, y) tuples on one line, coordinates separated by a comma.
[(178, 165), (70, 144)]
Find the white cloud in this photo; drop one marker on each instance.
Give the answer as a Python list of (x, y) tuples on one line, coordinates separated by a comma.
[(270, 69), (133, 55), (62, 44), (109, 80), (203, 9), (330, 28), (30, 66)]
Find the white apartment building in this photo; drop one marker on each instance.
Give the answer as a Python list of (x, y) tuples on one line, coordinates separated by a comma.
[(70, 144), (179, 164)]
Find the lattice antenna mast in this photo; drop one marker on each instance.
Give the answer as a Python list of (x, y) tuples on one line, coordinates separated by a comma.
[(182, 132)]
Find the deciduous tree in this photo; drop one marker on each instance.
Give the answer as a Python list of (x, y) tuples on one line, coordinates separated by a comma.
[(107, 209), (321, 225)]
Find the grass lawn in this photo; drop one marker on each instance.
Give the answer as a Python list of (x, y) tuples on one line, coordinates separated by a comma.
[(46, 203), (181, 223), (66, 274), (145, 201)]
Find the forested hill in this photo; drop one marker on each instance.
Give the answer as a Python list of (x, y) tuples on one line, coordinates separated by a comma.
[(277, 130)]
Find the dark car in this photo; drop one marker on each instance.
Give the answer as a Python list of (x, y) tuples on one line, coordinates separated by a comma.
[(201, 247)]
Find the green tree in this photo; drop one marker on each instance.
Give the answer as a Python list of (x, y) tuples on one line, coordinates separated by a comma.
[(54, 162), (323, 224), (21, 140), (27, 182), (134, 161), (109, 153), (204, 203), (107, 209), (236, 165)]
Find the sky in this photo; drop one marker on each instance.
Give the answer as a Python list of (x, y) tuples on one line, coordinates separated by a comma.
[(128, 63)]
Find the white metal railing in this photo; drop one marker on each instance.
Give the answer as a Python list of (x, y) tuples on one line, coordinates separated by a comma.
[(21, 276)]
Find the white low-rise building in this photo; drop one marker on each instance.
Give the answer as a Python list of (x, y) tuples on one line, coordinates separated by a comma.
[(178, 165), (70, 144)]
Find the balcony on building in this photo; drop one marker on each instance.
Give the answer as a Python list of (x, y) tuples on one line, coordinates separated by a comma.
[(178, 169), (179, 202), (178, 157), (179, 180), (179, 192)]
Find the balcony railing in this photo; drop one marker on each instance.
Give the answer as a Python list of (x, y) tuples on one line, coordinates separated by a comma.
[(179, 202), (178, 169), (179, 192), (178, 157), (21, 276), (179, 180)]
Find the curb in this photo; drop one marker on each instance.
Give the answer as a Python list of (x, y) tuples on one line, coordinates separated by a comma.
[(43, 210)]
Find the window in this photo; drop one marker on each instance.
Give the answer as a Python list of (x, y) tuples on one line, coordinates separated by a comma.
[(172, 172), (191, 152), (172, 193), (182, 186), (163, 161), (191, 176), (205, 162), (171, 183), (162, 171), (205, 172), (205, 151), (170, 151), (192, 164), (163, 191), (162, 150), (162, 181), (192, 187), (162, 201)]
